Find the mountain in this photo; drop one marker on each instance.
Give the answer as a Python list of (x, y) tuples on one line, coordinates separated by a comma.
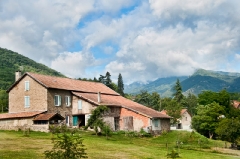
[(10, 62), (162, 85), (201, 80)]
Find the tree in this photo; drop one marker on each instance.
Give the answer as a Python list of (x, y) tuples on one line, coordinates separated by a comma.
[(207, 118), (143, 98), (191, 102), (96, 121), (3, 101), (120, 85), (155, 101), (178, 96), (107, 81), (174, 110), (67, 146), (229, 129)]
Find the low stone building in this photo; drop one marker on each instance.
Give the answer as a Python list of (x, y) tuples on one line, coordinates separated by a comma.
[(34, 97), (184, 123)]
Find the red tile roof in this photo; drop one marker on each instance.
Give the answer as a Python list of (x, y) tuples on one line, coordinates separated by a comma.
[(68, 84), (48, 116), (19, 115), (117, 100), (236, 104)]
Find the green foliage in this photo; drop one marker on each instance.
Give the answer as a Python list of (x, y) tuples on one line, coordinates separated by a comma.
[(207, 118), (107, 81), (66, 146), (229, 129), (96, 122), (178, 96), (11, 61), (174, 110), (3, 101), (190, 102), (173, 154), (120, 86), (150, 100)]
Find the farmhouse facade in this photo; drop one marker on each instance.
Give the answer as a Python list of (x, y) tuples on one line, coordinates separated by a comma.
[(36, 100)]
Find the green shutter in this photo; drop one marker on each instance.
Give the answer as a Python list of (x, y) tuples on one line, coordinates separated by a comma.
[(75, 121)]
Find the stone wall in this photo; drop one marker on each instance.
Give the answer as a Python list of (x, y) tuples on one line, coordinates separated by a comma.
[(22, 124), (63, 109), (165, 124), (37, 94)]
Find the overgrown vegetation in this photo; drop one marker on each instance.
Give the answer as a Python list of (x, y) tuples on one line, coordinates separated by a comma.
[(67, 145)]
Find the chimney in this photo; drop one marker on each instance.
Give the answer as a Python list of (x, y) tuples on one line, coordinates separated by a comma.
[(99, 97), (18, 74)]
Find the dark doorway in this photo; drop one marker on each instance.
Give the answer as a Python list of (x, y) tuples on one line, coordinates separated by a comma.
[(116, 123), (79, 120)]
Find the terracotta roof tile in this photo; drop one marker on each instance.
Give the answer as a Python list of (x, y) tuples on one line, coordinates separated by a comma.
[(182, 111), (48, 116), (117, 100), (19, 115), (67, 84), (236, 104)]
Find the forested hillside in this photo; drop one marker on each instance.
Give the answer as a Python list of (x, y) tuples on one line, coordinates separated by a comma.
[(11, 61)]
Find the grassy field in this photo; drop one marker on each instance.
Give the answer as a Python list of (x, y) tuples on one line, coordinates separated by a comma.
[(119, 146)]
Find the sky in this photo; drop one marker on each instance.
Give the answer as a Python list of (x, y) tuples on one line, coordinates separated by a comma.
[(143, 40)]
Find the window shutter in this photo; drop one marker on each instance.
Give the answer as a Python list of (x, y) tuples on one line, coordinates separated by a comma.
[(60, 100), (79, 104), (26, 85), (27, 101)]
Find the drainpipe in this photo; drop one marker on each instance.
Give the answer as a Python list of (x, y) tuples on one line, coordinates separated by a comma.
[(99, 97)]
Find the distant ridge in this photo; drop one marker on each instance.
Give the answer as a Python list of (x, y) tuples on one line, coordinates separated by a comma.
[(11, 61), (200, 80)]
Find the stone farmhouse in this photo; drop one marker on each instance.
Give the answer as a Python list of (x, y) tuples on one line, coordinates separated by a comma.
[(37, 101), (184, 123)]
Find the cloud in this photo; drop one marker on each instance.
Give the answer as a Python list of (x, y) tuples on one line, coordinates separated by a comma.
[(41, 29), (142, 40), (78, 62)]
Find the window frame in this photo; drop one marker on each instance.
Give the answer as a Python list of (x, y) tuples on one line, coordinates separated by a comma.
[(68, 101), (26, 85), (26, 101), (57, 100)]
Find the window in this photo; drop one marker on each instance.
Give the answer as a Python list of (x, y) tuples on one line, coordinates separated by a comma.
[(67, 100), (26, 85), (156, 123), (26, 101), (57, 100), (79, 104), (186, 118)]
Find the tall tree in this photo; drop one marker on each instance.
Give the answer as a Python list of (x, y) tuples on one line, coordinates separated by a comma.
[(178, 96), (120, 87)]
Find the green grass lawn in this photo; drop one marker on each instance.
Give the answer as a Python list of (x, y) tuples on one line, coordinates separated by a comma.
[(14, 144)]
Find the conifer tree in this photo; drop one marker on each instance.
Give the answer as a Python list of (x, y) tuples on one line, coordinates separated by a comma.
[(120, 87), (178, 96)]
